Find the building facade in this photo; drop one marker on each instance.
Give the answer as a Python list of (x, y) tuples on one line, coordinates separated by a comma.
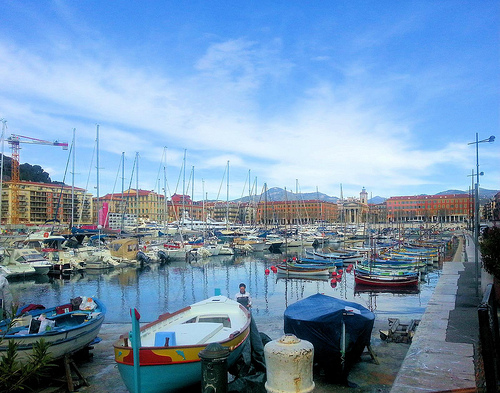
[(430, 208), (296, 212), (42, 202)]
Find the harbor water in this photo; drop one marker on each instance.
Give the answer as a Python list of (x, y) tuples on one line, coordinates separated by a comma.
[(157, 289)]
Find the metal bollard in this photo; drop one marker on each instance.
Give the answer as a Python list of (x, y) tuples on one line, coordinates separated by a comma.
[(214, 368)]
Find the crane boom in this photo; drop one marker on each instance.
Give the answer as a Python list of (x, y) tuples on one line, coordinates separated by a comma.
[(14, 140)]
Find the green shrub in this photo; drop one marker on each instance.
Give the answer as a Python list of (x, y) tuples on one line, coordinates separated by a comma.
[(17, 376), (490, 250)]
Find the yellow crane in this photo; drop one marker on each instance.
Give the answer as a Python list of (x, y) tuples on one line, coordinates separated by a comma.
[(15, 140)]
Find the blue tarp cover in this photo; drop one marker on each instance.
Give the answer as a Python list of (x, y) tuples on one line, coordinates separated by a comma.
[(318, 319)]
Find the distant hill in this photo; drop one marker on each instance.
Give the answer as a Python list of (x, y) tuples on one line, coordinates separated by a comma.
[(276, 194), (448, 192), (376, 200)]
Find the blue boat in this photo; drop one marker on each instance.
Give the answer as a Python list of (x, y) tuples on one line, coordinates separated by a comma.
[(339, 331), (68, 328)]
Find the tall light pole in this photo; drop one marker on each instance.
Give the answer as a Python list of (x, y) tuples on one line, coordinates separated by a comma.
[(476, 208)]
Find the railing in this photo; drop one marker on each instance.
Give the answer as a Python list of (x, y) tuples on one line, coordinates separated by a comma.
[(490, 339)]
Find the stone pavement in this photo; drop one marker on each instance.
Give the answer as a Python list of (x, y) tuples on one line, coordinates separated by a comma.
[(441, 356)]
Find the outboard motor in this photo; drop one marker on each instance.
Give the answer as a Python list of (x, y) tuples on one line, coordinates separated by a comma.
[(163, 257), (143, 258)]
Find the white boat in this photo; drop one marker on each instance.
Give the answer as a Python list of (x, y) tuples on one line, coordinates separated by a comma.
[(18, 262), (67, 329), (169, 347)]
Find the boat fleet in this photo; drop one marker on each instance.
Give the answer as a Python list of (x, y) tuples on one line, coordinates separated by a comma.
[(381, 260), (164, 355)]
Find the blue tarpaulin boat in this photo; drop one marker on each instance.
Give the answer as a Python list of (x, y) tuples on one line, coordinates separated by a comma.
[(339, 331)]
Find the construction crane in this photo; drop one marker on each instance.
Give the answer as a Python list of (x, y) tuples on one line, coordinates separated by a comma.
[(15, 140)]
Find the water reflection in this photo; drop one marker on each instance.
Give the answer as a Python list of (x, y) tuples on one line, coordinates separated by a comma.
[(167, 288)]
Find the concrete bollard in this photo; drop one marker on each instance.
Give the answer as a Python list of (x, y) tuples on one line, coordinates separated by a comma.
[(214, 368), (289, 364)]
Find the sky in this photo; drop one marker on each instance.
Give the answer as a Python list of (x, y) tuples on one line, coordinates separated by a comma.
[(304, 95)]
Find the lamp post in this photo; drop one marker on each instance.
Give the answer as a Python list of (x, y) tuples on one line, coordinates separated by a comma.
[(476, 208)]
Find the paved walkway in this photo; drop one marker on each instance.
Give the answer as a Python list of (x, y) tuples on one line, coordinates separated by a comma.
[(441, 356)]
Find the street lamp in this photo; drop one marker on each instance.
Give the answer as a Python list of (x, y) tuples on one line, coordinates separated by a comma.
[(476, 207)]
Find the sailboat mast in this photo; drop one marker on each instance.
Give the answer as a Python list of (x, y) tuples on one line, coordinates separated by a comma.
[(122, 226), (137, 189), (4, 127), (227, 197), (192, 195), (183, 187), (97, 170), (72, 182)]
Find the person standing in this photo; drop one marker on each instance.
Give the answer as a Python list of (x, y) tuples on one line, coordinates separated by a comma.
[(5, 297), (243, 297)]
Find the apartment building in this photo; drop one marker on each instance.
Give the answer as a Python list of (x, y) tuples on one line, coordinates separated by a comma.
[(41, 202), (430, 208)]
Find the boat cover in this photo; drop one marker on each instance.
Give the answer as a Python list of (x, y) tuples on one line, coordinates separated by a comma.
[(319, 319)]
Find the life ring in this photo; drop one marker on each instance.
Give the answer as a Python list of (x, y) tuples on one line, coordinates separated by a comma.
[(46, 234)]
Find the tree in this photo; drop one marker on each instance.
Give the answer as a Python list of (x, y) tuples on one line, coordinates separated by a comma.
[(33, 173), (490, 250)]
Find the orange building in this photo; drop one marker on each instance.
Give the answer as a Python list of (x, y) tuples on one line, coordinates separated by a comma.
[(296, 212), (430, 208)]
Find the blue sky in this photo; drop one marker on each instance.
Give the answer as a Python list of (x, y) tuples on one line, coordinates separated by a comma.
[(384, 95)]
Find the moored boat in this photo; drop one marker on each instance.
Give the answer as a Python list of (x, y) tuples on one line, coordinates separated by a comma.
[(385, 280), (68, 328), (169, 346), (299, 269), (339, 331)]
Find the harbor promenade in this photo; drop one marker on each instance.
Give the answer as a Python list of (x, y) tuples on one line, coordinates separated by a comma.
[(441, 356)]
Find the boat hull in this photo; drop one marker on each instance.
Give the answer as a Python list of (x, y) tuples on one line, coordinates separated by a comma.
[(386, 281), (177, 364), (78, 331)]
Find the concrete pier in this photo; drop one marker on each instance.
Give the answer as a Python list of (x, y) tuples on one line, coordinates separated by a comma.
[(441, 356)]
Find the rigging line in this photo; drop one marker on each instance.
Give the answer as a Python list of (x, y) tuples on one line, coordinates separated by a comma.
[(113, 191), (160, 168), (87, 185), (179, 178), (62, 187), (130, 184), (222, 182)]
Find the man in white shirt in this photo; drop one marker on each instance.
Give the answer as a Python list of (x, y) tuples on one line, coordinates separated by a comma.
[(243, 297), (5, 297)]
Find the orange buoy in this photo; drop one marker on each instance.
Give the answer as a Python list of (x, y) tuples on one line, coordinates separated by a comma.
[(46, 234), (267, 272)]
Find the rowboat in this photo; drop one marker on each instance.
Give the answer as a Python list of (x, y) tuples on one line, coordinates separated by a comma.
[(169, 346), (68, 328), (386, 280), (300, 269)]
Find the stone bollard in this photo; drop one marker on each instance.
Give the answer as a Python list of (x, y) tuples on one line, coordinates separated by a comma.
[(289, 364), (214, 368)]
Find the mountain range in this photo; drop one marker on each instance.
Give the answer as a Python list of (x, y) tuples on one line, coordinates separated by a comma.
[(278, 194)]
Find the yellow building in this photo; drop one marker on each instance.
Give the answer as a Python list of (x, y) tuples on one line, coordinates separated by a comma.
[(41, 202), (147, 205)]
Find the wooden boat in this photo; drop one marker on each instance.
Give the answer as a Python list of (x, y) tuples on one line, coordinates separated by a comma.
[(339, 331), (386, 280), (66, 328), (169, 346), (299, 269)]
